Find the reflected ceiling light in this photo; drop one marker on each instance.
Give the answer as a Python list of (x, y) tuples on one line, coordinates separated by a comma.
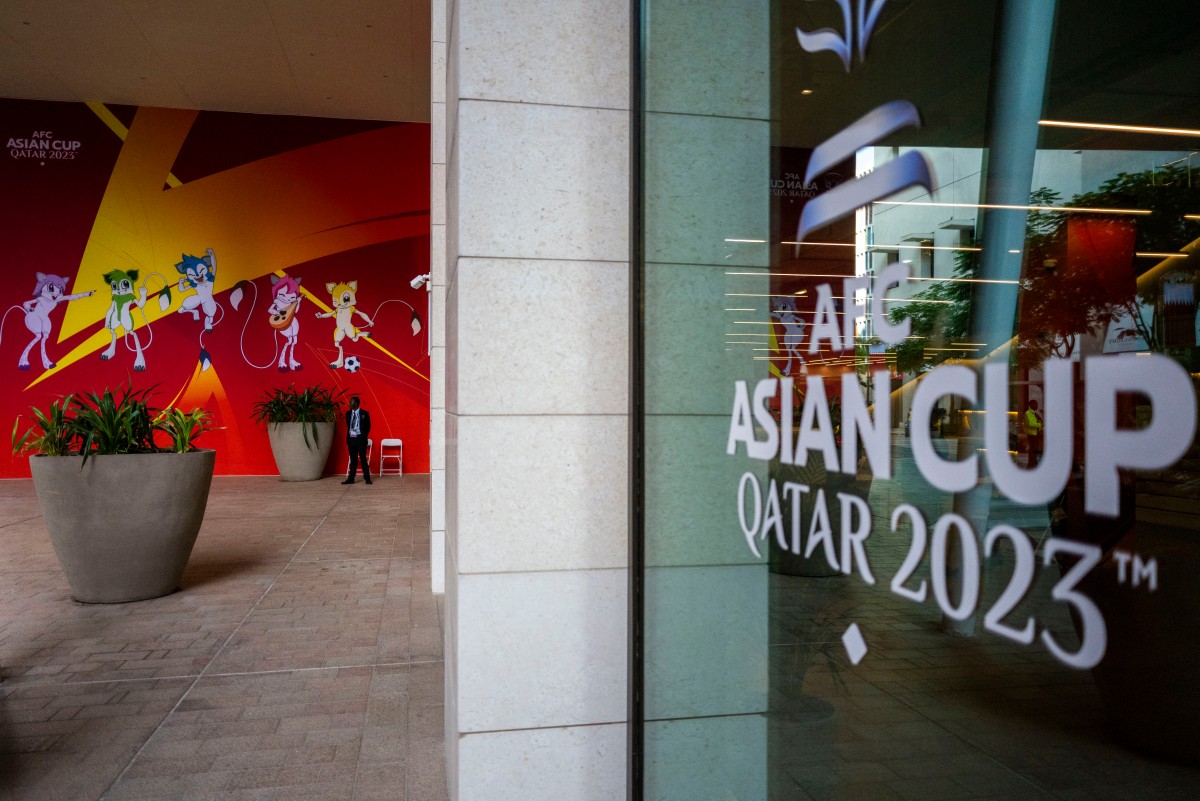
[(749, 310), (741, 334), (1063, 209), (757, 241), (1191, 216), (794, 275), (912, 300), (822, 244), (1181, 158), (767, 350), (969, 280), (1105, 126), (760, 295), (777, 358), (1018, 250), (1150, 255), (806, 91), (878, 246)]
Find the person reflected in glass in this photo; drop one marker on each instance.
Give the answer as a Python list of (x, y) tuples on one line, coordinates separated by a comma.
[(1033, 432), (358, 430)]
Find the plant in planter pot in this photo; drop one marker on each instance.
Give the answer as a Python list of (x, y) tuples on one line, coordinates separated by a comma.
[(122, 511), (300, 426)]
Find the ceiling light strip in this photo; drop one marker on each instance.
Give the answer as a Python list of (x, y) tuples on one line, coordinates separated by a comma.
[(1109, 126)]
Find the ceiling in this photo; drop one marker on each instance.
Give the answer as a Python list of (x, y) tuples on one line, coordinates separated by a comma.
[(362, 59), (1109, 63)]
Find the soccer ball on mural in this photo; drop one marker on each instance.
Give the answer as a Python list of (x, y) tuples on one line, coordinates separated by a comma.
[(352, 364)]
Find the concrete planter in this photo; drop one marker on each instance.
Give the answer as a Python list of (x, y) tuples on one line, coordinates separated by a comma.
[(297, 460), (123, 526)]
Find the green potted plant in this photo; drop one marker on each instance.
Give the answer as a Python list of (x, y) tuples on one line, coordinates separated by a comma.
[(300, 426), (122, 510)]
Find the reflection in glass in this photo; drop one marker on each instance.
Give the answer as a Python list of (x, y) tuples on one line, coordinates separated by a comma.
[(1014, 648)]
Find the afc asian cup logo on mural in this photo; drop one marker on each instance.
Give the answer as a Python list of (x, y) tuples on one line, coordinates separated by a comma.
[(44, 146)]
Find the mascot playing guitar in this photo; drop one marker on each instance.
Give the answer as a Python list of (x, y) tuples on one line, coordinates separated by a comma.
[(282, 314)]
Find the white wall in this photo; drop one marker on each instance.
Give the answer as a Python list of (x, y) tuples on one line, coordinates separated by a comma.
[(536, 105)]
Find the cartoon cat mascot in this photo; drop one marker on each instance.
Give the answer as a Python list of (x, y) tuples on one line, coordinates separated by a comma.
[(285, 302), (344, 309), (48, 292), (198, 274), (120, 313)]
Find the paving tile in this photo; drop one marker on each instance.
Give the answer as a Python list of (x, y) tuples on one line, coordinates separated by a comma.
[(384, 744), (281, 671), (347, 539), (161, 788), (18, 502), (78, 756), (316, 614), (260, 740), (228, 542), (25, 547), (426, 771), (382, 781)]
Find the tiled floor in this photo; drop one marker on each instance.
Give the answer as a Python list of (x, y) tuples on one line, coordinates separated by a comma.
[(302, 658)]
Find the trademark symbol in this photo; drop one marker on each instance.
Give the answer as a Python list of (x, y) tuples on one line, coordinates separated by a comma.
[(1133, 570)]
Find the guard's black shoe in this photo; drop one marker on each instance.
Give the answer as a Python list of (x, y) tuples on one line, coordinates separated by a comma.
[(348, 481)]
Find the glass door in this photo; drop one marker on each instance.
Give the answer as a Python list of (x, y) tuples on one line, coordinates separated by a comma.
[(920, 347)]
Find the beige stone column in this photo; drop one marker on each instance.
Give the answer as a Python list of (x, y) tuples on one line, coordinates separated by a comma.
[(536, 377), (437, 298)]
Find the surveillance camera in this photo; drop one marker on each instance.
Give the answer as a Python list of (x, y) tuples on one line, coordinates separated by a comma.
[(419, 281)]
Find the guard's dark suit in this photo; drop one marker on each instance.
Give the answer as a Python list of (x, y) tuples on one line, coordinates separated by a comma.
[(358, 445)]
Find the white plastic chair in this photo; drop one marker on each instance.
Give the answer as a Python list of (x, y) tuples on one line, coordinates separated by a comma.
[(397, 453), (370, 445)]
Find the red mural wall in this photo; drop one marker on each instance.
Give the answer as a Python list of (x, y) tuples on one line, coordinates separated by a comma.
[(220, 220)]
